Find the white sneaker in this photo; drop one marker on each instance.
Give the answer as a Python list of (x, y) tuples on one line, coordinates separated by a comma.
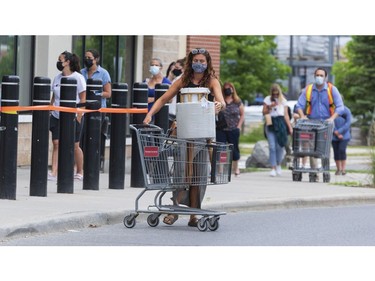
[(78, 177), (278, 170), (273, 173), (51, 177)]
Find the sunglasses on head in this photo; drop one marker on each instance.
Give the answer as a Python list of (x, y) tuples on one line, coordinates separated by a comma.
[(198, 51)]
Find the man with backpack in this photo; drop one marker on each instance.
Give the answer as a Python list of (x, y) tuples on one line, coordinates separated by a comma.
[(320, 101)]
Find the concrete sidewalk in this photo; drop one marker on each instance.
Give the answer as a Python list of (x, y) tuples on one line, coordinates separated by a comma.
[(29, 215)]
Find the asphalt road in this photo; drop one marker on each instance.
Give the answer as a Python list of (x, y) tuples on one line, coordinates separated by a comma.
[(333, 226)]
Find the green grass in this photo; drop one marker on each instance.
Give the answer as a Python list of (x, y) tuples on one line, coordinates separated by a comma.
[(245, 150), (350, 184), (372, 166), (358, 154), (352, 171), (254, 136), (254, 169)]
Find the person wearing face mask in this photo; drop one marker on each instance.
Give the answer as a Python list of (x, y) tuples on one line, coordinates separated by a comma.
[(277, 133), (198, 72), (69, 66), (93, 70), (176, 70), (320, 105), (176, 73), (156, 78), (234, 115), (320, 101), (169, 73)]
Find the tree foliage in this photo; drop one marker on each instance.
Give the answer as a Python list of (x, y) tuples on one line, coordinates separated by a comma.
[(248, 62), (355, 78)]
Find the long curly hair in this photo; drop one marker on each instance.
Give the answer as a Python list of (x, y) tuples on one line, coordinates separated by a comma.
[(189, 72)]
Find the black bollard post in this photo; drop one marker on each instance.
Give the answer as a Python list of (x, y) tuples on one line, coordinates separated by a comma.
[(65, 172), (9, 137), (162, 117), (117, 154), (92, 125), (39, 138), (139, 98)]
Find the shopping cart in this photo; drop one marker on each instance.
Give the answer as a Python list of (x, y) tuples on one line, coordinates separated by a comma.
[(312, 138), (170, 164)]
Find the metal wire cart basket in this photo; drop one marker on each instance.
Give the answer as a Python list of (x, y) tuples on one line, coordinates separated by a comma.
[(170, 164), (312, 138)]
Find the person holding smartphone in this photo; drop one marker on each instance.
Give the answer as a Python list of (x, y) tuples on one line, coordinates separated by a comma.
[(277, 133)]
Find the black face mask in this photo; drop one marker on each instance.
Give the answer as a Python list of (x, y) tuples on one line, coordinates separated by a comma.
[(88, 63), (59, 65), (177, 72), (227, 91)]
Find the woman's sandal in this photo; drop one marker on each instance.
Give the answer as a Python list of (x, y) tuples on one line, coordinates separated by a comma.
[(193, 222), (170, 219)]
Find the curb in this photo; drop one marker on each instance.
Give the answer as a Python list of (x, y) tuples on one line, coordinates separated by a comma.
[(107, 218)]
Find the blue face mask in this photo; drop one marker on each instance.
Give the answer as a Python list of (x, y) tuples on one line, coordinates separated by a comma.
[(154, 70), (319, 80), (199, 67)]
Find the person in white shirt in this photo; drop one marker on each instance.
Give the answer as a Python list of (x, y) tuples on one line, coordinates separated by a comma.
[(277, 133), (69, 66)]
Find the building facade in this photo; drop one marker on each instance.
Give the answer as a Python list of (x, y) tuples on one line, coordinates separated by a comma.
[(125, 57)]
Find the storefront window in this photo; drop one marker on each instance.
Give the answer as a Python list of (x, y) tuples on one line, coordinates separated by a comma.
[(117, 53), (7, 55), (17, 58)]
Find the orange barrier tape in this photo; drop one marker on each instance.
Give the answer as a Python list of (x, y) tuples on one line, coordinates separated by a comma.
[(72, 110)]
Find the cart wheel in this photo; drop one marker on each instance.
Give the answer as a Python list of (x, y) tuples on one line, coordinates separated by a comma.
[(129, 221), (313, 177), (202, 224), (213, 223), (153, 220), (297, 176), (295, 163), (326, 177)]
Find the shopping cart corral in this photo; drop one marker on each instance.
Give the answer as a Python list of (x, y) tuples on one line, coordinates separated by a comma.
[(171, 164), (312, 138)]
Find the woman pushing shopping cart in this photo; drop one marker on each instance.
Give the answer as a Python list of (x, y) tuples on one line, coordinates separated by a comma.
[(172, 165)]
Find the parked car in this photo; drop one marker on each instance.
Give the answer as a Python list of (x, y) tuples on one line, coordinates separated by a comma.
[(253, 113)]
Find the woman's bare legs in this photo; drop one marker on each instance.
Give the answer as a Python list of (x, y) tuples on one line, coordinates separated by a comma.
[(235, 168), (78, 158), (55, 154), (338, 167), (194, 203), (343, 167)]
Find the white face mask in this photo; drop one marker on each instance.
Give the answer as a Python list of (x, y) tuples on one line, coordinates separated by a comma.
[(154, 70), (319, 80)]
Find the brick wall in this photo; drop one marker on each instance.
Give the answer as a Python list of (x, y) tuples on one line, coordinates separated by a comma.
[(210, 43), (162, 47), (167, 47)]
